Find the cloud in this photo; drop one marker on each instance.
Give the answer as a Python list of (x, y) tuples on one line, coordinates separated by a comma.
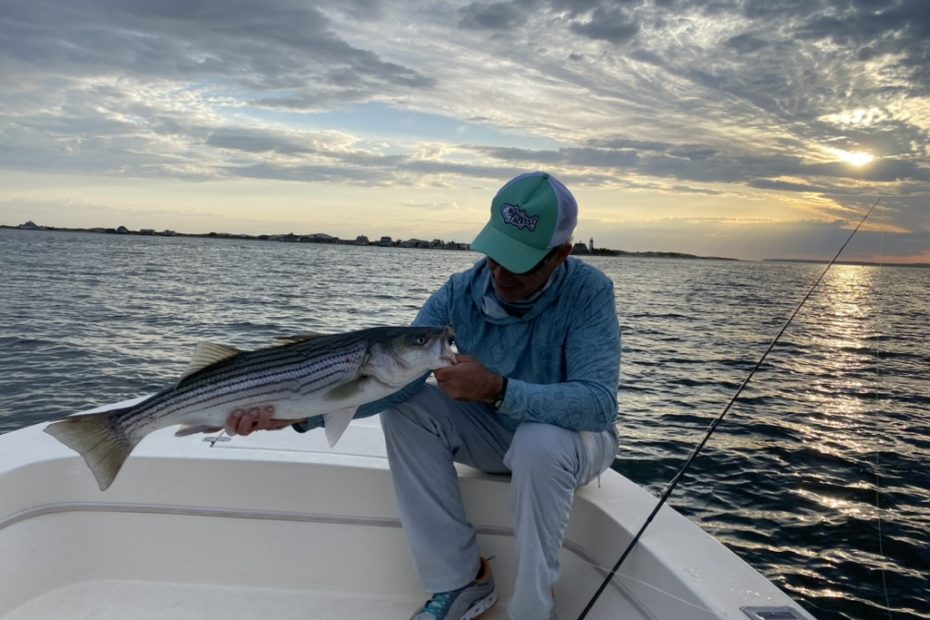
[(704, 99), (256, 141), (499, 16), (610, 23), (270, 48), (746, 43)]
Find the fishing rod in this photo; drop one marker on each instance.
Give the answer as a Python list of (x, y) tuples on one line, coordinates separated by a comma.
[(670, 487)]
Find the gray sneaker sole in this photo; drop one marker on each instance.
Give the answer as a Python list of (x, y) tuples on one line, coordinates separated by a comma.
[(479, 607)]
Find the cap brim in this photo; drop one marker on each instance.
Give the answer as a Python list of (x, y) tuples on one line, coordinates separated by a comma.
[(507, 252)]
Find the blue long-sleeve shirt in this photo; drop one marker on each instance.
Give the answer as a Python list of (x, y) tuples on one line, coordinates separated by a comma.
[(561, 358)]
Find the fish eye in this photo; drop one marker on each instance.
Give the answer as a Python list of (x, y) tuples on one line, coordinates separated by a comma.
[(421, 339)]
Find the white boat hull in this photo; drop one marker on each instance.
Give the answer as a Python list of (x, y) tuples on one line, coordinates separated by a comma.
[(278, 525)]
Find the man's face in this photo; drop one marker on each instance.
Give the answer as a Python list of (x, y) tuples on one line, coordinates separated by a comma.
[(514, 287)]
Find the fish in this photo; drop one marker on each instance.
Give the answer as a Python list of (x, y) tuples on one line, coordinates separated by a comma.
[(301, 376)]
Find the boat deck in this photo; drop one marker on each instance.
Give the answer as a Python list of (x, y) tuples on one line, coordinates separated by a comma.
[(117, 600), (103, 562), (150, 600)]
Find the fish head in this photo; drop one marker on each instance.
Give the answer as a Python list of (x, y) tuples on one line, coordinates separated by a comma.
[(397, 356)]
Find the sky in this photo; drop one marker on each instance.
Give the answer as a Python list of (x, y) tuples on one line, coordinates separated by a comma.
[(741, 128)]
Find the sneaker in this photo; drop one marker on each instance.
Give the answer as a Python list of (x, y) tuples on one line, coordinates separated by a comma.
[(466, 603)]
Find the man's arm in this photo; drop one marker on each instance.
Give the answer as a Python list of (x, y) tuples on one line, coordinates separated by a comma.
[(585, 401)]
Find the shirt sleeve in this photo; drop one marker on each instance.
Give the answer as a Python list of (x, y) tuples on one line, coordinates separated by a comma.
[(587, 399)]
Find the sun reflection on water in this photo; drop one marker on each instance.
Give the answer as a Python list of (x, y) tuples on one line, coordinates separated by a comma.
[(837, 337)]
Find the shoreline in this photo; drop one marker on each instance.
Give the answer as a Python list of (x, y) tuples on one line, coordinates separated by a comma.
[(857, 263), (580, 249)]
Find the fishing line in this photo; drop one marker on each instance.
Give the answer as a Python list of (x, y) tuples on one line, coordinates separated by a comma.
[(881, 545), (646, 584), (878, 478), (670, 487)]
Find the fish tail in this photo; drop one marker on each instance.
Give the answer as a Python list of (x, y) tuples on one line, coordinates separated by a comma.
[(94, 436)]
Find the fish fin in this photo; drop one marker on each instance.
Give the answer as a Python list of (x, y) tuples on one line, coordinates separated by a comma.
[(93, 438), (336, 423), (348, 389), (192, 429), (206, 354), (297, 338)]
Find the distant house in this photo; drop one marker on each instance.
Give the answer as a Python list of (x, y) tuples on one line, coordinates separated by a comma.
[(361, 240), (122, 230), (580, 248), (386, 242), (29, 225), (414, 243), (320, 238)]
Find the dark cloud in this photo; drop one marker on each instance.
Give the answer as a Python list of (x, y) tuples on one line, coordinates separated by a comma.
[(899, 28), (782, 186), (746, 43), (775, 11), (256, 141), (610, 23), (687, 189), (586, 157), (628, 143), (523, 156), (309, 173), (362, 9), (647, 56), (266, 46), (490, 16)]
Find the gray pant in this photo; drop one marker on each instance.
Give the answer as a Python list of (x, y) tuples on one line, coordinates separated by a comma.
[(429, 431)]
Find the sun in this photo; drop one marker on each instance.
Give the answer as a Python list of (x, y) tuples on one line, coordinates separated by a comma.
[(854, 158)]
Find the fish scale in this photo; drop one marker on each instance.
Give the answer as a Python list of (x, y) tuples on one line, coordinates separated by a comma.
[(328, 376), (232, 384)]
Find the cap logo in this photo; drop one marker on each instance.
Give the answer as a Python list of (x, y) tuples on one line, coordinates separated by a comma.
[(517, 217)]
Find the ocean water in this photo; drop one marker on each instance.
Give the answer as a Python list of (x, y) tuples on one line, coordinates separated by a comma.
[(819, 476)]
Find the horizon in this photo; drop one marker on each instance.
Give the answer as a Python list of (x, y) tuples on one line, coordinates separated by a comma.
[(462, 245), (741, 128)]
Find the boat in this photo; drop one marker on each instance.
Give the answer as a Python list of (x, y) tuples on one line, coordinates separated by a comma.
[(280, 525)]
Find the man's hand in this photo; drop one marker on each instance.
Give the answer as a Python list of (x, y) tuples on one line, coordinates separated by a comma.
[(469, 380), (244, 421)]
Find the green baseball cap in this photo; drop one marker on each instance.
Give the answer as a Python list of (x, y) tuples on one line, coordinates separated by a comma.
[(530, 215)]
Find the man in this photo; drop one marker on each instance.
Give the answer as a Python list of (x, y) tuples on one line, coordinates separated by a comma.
[(533, 393)]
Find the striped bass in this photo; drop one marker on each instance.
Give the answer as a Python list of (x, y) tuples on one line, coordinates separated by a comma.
[(307, 376)]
